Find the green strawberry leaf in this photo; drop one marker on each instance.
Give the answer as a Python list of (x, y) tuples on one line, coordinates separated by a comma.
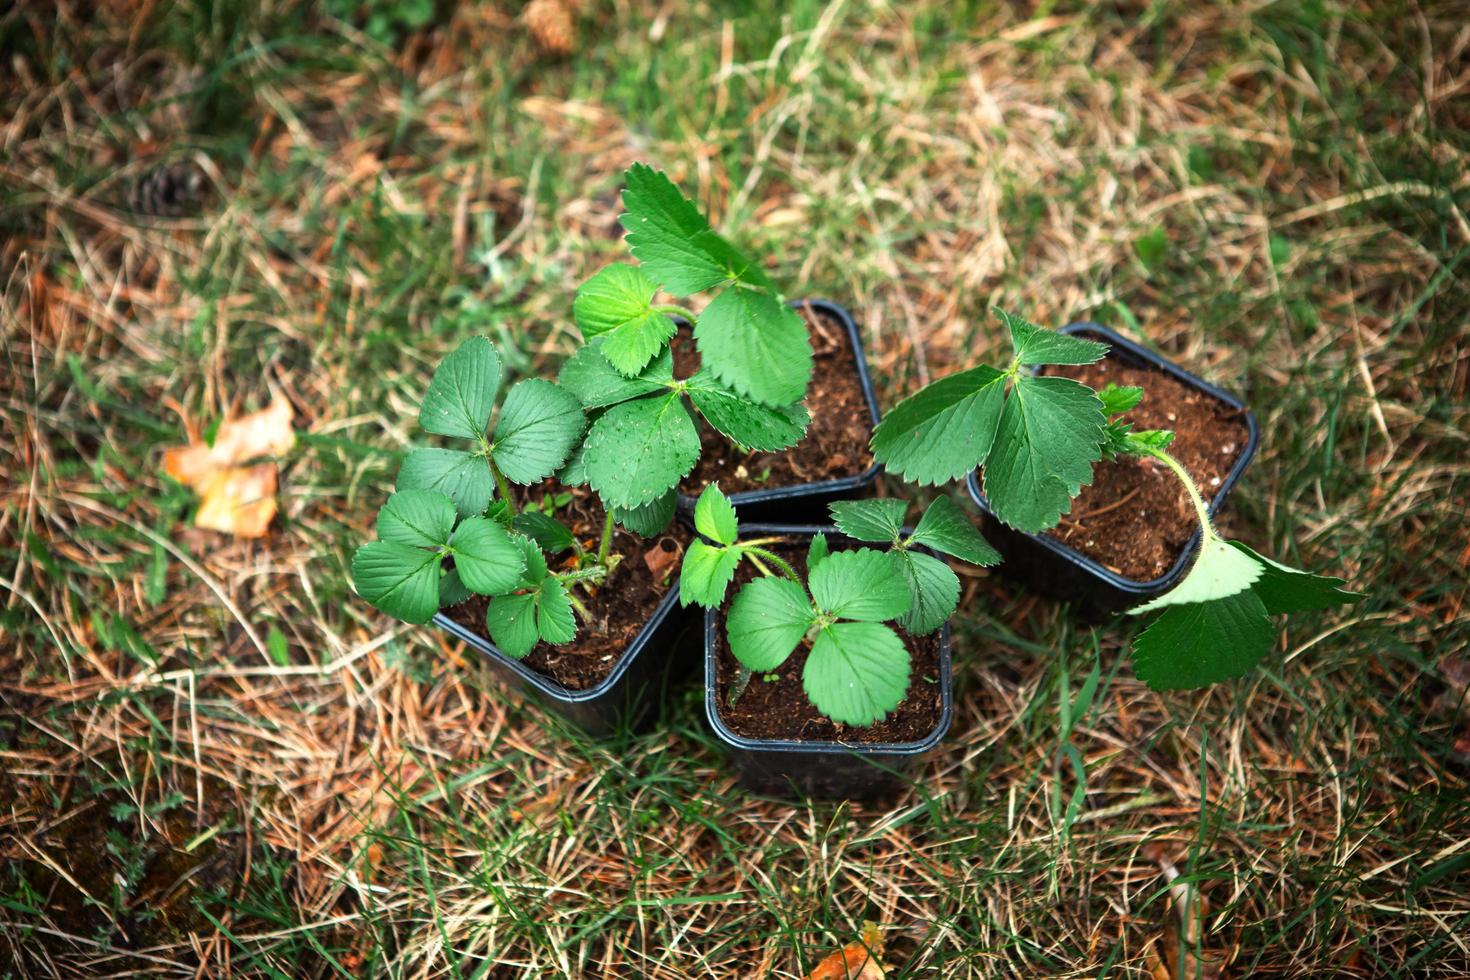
[(857, 672), (1051, 432), (464, 477), (944, 527), (1200, 643), (859, 584), (1219, 571), (757, 345), (399, 579), (651, 518), (511, 622), (539, 426), (597, 384), (944, 430), (546, 531), (1119, 399), (706, 573), (879, 519), (1033, 345), (554, 620), (745, 422), (536, 571), (816, 552), (488, 558), (639, 450), (419, 518), (451, 590), (1283, 589), (714, 516), (461, 395), (934, 587), (767, 619), (667, 233), (617, 305)]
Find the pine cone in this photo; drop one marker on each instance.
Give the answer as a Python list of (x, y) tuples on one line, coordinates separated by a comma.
[(168, 190), (551, 24)]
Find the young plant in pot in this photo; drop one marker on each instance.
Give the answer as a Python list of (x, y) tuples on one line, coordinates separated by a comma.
[(828, 672), (1037, 437)]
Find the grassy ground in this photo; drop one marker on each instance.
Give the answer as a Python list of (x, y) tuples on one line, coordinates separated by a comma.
[(218, 761)]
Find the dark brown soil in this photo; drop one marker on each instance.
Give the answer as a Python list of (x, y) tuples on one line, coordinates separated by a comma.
[(1135, 518), (620, 607), (779, 709), (836, 443)]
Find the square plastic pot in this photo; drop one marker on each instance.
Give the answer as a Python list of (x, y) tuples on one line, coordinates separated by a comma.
[(1047, 565), (819, 769), (624, 697), (808, 501)]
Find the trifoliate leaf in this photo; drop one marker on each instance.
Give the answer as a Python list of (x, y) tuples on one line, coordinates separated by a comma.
[(651, 518), (944, 527), (487, 556), (757, 345), (399, 579), (1201, 643), (597, 384), (538, 427), (420, 518), (511, 622), (706, 573), (462, 476), (1283, 589), (714, 516), (857, 672), (548, 533), (1051, 432), (617, 305), (1219, 571), (1119, 399), (461, 395), (555, 622), (879, 519), (1033, 345), (816, 552), (638, 450), (935, 589), (944, 430), (767, 619), (451, 590), (745, 422), (861, 584), (667, 233)]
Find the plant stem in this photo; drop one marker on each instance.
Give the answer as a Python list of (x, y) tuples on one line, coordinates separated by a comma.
[(677, 311), (780, 563), (501, 485), (1200, 510), (579, 607), (605, 548), (594, 574)]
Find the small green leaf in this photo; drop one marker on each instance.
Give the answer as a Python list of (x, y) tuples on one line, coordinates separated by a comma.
[(1034, 345), (859, 584), (714, 516), (1116, 400), (1219, 571), (1148, 441), (857, 672), (651, 518), (816, 552), (1152, 248), (706, 573), (673, 240), (548, 533), (511, 622), (488, 558), (638, 450), (767, 619), (597, 384), (574, 472), (935, 589), (745, 422), (757, 345), (539, 426), (421, 518), (399, 579), (275, 645), (451, 590), (554, 620), (944, 527), (1051, 432), (1201, 643), (879, 519), (462, 476), (536, 571), (461, 395), (1283, 589), (945, 429), (617, 304)]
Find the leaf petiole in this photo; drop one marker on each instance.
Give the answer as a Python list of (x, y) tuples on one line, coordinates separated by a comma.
[(782, 565), (671, 310), (605, 547), (501, 485), (1201, 511)]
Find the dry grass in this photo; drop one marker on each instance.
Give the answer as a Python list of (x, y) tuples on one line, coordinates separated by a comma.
[(1273, 194)]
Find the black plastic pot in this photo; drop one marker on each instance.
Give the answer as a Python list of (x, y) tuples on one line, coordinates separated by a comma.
[(1051, 567), (820, 770), (625, 696), (808, 501)]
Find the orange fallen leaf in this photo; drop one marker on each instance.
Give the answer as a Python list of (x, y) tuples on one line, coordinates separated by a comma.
[(235, 499), (861, 960), (239, 500), (662, 557)]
